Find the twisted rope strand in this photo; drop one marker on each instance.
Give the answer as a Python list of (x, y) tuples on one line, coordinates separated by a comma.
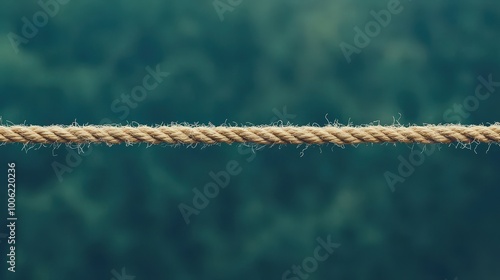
[(184, 134)]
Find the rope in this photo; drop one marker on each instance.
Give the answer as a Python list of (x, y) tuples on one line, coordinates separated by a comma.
[(184, 134)]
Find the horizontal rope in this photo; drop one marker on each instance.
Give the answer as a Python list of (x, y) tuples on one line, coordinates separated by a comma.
[(184, 134)]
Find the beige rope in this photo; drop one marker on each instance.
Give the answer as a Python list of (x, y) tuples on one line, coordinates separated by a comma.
[(183, 134)]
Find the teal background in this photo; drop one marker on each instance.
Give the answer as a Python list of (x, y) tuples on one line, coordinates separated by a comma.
[(117, 207)]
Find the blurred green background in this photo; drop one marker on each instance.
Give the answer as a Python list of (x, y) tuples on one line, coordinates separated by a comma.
[(88, 212)]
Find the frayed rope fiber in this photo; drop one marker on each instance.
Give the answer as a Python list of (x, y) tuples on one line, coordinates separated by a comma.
[(186, 134)]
